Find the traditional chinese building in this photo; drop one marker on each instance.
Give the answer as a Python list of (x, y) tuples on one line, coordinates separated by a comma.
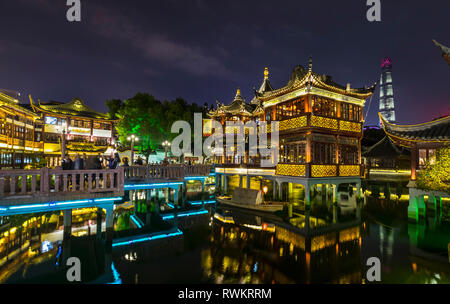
[(21, 140), (385, 158), (87, 131), (320, 132), (423, 140), (445, 51)]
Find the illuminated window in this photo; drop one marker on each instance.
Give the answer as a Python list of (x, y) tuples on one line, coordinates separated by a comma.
[(50, 120), (388, 77), (422, 157), (389, 90), (432, 156)]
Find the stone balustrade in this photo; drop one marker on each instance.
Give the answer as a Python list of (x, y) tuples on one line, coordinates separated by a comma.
[(165, 171), (58, 184), (47, 182)]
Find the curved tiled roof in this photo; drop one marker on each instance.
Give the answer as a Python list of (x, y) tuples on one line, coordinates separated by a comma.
[(445, 51), (300, 76), (237, 106), (76, 107), (383, 148), (436, 130)]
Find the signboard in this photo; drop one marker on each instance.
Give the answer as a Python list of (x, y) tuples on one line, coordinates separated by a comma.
[(207, 127)]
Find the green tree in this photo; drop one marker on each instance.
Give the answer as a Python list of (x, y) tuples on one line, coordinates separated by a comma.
[(150, 119), (436, 176), (114, 106)]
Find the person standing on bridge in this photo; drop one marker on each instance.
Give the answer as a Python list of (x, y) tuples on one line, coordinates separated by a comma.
[(67, 163), (114, 162), (139, 161), (78, 165)]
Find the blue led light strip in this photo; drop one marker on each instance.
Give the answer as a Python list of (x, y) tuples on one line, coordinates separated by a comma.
[(60, 203), (183, 214), (136, 221), (195, 177), (149, 238), (200, 202), (143, 186), (117, 279)]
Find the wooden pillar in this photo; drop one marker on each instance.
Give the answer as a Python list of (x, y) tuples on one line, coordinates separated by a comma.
[(308, 154), (274, 189), (414, 154), (307, 195), (225, 184), (280, 190)]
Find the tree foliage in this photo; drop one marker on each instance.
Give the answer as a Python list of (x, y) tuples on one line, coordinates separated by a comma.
[(149, 119), (436, 176)]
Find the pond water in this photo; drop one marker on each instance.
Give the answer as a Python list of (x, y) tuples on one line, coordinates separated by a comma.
[(241, 246), (323, 244)]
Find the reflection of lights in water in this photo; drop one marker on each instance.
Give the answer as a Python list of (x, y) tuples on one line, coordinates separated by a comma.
[(219, 279), (46, 246), (386, 241), (117, 279), (131, 257)]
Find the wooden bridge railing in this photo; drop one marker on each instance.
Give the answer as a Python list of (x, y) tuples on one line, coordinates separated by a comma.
[(46, 182), (166, 171)]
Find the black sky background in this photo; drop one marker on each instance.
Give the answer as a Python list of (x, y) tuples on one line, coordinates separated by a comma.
[(202, 50)]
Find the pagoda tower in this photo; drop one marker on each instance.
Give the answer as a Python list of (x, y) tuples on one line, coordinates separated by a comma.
[(387, 108)]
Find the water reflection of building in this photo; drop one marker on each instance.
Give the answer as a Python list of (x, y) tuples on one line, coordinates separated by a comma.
[(429, 252), (249, 250)]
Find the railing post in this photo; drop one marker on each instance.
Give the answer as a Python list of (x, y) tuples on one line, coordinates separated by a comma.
[(12, 185), (57, 177), (74, 182), (24, 184), (45, 187), (2, 186)]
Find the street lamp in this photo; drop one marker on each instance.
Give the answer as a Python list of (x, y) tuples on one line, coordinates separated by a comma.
[(63, 129), (166, 144), (132, 138)]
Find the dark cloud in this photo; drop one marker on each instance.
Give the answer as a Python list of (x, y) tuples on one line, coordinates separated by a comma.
[(202, 50)]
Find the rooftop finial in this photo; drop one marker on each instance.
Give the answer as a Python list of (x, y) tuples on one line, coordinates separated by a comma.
[(266, 73), (238, 92), (310, 63)]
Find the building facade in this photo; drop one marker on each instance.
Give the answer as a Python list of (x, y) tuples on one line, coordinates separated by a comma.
[(320, 131), (86, 131), (387, 106), (424, 140), (20, 133), (31, 133)]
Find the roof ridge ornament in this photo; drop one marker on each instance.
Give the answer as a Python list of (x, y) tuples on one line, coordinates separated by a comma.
[(238, 94), (266, 73), (310, 64)]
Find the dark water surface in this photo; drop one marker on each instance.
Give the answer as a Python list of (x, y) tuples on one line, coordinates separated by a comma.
[(326, 244), (244, 247)]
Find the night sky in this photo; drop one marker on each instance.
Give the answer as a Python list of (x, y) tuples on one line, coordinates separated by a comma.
[(202, 50)]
